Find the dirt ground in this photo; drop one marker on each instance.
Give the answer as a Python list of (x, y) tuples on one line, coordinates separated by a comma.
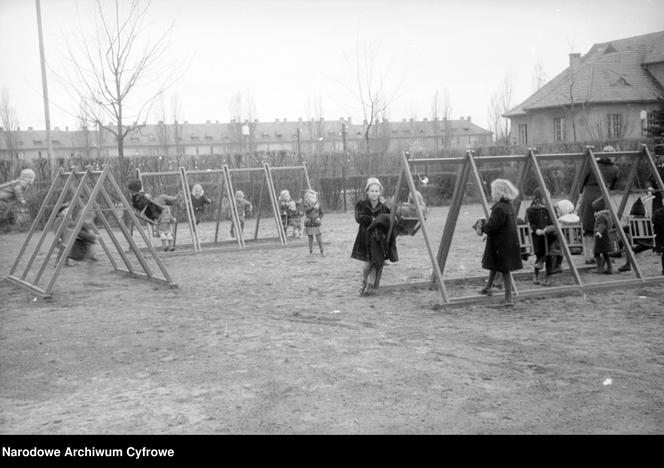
[(275, 341)]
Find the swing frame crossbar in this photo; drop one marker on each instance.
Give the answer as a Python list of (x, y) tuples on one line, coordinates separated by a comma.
[(225, 183), (82, 185), (467, 166)]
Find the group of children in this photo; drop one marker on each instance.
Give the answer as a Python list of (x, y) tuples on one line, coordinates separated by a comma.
[(308, 210), (547, 247), (158, 213), (372, 213)]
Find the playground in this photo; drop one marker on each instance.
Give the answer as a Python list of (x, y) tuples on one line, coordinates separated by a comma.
[(272, 340)]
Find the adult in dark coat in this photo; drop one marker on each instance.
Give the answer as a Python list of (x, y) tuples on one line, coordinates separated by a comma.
[(590, 190), (658, 225), (371, 244), (658, 192), (502, 252)]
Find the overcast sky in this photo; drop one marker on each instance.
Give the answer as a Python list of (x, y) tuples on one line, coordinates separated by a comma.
[(286, 53)]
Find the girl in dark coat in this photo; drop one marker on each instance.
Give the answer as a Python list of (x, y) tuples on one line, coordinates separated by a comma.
[(371, 244), (590, 190), (502, 252), (603, 237)]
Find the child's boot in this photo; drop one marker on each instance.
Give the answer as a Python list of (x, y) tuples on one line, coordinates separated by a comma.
[(600, 264), (609, 268), (536, 276), (507, 281), (625, 267)]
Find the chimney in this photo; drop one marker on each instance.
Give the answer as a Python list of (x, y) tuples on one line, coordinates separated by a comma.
[(468, 118), (29, 129), (66, 129), (276, 120), (57, 129), (207, 122), (574, 60)]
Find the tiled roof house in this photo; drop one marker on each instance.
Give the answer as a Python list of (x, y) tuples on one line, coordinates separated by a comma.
[(605, 94)]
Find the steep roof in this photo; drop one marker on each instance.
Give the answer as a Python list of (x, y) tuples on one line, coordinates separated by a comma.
[(609, 72)]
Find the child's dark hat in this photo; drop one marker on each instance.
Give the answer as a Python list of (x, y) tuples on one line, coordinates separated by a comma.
[(135, 185)]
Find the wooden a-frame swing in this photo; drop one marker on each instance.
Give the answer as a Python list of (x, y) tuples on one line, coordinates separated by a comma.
[(467, 165), (88, 194), (225, 183)]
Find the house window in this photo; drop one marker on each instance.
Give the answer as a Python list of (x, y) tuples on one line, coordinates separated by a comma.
[(558, 129), (615, 126), (523, 134), (647, 122)]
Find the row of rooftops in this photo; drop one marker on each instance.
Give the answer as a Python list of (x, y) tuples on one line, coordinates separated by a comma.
[(279, 130)]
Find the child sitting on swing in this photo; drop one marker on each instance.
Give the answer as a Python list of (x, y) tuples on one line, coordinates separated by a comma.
[(290, 215), (243, 206), (198, 201), (156, 211), (554, 257)]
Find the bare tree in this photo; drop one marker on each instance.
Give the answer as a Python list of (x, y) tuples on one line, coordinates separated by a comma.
[(441, 111), (117, 73), (242, 110), (539, 76), (314, 115), (499, 105), (369, 88), (9, 131)]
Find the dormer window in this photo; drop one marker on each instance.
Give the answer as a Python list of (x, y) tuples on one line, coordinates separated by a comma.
[(621, 82)]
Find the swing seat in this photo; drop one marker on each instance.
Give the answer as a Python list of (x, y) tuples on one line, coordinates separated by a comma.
[(525, 239), (407, 221), (641, 231), (407, 225), (573, 237)]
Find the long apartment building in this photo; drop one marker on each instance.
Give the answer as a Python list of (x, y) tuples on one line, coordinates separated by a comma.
[(428, 136)]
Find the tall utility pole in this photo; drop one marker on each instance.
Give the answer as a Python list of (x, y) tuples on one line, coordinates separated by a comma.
[(343, 163), (47, 114), (299, 152)]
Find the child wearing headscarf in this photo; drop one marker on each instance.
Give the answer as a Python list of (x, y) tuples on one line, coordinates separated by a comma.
[(312, 220), (371, 244)]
